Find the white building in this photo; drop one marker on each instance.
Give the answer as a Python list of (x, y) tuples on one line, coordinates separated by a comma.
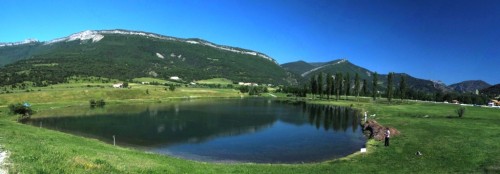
[(118, 85), (174, 78)]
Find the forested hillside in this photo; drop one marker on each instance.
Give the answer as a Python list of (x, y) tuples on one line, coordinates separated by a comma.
[(127, 56)]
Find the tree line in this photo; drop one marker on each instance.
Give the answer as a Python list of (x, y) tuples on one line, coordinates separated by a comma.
[(340, 85)]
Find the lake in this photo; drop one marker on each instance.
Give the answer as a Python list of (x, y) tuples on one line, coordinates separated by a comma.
[(219, 130)]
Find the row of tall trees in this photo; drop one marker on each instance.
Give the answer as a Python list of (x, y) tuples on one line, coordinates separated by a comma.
[(336, 85), (341, 84)]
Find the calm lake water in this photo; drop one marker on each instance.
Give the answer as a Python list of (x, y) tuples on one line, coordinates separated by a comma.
[(225, 130)]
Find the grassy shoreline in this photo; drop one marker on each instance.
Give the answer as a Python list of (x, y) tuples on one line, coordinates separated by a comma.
[(448, 144)]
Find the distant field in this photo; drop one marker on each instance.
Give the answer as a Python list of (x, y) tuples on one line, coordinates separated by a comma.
[(221, 81), (83, 92), (448, 144), (149, 80)]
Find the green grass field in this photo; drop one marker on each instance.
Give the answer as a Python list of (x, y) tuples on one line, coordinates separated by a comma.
[(222, 81), (448, 144)]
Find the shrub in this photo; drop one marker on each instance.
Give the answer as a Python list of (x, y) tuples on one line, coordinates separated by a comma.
[(19, 108), (23, 109), (97, 103), (460, 111)]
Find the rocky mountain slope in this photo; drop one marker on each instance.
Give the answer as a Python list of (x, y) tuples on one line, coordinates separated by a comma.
[(124, 54)]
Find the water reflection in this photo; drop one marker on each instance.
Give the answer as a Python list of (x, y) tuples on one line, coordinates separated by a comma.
[(244, 127)]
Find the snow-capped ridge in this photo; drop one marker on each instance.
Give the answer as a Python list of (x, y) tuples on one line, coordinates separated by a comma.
[(26, 41), (97, 35), (322, 66)]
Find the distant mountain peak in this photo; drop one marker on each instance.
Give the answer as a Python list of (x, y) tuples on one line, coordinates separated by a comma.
[(469, 86)]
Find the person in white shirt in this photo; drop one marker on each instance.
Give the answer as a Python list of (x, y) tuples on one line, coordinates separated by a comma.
[(387, 136)]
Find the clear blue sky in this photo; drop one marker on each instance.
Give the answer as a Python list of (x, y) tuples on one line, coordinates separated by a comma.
[(448, 40)]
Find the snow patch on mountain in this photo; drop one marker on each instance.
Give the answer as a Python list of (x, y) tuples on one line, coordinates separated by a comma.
[(150, 35), (319, 67), (232, 50), (27, 41), (159, 56), (95, 36)]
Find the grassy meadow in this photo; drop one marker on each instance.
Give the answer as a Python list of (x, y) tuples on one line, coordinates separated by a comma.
[(449, 144)]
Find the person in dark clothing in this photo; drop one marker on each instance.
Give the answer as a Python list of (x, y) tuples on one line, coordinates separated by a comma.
[(387, 136)]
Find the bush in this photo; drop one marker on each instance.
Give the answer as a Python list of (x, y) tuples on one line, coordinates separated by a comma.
[(460, 111), (97, 103), (172, 88), (19, 108), (23, 109)]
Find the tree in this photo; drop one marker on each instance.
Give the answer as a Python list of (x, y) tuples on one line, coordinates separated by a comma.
[(402, 87), (23, 109), (320, 85), (347, 85), (339, 80), (460, 111), (334, 85), (171, 87), (125, 85), (244, 89), (329, 85), (314, 85), (356, 85), (374, 86), (253, 91), (389, 86), (365, 88)]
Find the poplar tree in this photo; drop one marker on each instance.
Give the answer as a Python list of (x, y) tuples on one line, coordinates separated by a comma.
[(402, 87), (374, 86), (389, 86), (356, 85), (339, 80), (313, 85), (320, 85), (329, 84), (365, 88), (347, 85)]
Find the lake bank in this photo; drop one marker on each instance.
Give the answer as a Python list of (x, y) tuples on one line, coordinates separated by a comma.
[(448, 145), (257, 130)]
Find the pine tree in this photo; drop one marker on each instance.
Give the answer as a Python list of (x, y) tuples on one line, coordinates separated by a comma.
[(374, 86), (356, 85), (389, 86)]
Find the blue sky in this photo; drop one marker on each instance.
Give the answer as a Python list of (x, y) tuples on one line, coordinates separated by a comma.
[(448, 40)]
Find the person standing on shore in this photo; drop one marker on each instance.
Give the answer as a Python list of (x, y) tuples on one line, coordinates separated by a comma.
[(387, 136)]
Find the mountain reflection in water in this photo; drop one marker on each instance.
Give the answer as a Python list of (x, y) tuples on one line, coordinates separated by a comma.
[(163, 127)]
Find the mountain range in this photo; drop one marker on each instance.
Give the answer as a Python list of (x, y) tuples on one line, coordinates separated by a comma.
[(305, 70), (125, 54)]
